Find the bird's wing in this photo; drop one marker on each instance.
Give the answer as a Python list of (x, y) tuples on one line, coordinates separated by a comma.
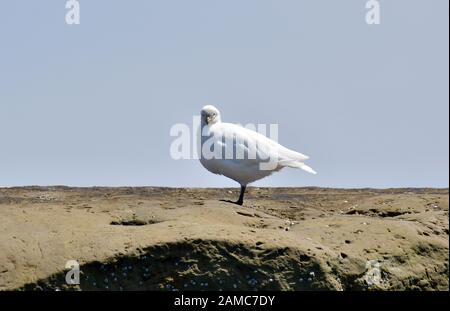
[(240, 143), (264, 145), (244, 145)]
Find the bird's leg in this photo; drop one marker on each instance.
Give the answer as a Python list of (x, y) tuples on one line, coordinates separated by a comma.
[(240, 201)]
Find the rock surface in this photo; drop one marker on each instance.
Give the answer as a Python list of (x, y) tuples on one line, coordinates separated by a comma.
[(187, 239)]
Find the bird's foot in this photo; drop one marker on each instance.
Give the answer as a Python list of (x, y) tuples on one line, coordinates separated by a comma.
[(234, 202)]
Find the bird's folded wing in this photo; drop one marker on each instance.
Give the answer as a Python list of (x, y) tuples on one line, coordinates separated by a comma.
[(255, 146)]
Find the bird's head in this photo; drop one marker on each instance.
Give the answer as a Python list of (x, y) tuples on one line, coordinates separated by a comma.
[(210, 115)]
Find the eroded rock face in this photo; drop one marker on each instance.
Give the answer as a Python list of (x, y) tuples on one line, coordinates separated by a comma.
[(186, 239)]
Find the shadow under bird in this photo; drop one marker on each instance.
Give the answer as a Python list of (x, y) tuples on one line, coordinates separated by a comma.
[(242, 154)]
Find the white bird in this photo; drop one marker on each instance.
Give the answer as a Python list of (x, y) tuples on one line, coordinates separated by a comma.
[(240, 153)]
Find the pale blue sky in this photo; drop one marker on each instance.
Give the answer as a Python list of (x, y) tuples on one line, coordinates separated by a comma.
[(93, 104)]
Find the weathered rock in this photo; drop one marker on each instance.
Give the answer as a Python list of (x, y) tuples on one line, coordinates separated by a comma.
[(282, 238)]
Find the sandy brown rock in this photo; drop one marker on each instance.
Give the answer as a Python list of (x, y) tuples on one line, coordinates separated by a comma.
[(282, 238)]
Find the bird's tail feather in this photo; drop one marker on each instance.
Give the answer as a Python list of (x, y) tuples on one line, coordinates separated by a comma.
[(296, 164), (308, 169)]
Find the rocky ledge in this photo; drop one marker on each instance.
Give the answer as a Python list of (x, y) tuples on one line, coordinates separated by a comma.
[(187, 239)]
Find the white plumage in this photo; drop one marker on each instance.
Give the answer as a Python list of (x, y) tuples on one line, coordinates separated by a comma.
[(244, 154)]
